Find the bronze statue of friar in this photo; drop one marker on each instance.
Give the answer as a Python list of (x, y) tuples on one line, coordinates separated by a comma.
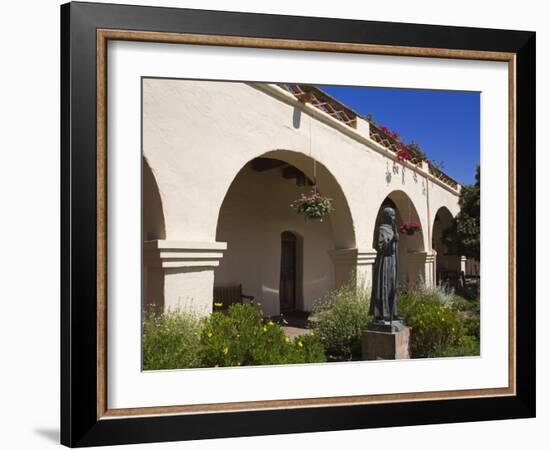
[(385, 280)]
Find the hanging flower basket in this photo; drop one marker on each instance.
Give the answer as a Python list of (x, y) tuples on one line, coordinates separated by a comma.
[(410, 228), (313, 206)]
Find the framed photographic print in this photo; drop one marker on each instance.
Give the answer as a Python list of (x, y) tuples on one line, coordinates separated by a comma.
[(275, 224)]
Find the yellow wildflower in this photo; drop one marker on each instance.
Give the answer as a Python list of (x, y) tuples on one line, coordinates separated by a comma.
[(218, 305), (238, 363), (270, 322), (300, 344), (225, 350), (312, 334), (209, 334), (287, 339), (265, 328)]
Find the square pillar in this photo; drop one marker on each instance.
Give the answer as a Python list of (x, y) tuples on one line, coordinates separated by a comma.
[(187, 274), (352, 264), (417, 268), (463, 260)]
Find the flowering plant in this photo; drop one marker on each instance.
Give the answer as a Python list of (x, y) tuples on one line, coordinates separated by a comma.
[(409, 227), (403, 153), (390, 133), (416, 151), (313, 206)]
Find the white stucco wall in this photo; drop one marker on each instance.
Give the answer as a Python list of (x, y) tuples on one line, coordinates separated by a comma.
[(197, 135), (254, 214)]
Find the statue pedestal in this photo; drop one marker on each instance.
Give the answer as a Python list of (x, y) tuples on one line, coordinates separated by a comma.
[(377, 343)]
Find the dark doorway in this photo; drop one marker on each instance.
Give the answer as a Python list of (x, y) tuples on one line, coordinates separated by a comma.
[(289, 269)]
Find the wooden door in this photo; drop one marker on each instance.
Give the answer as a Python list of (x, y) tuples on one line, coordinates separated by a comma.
[(287, 286)]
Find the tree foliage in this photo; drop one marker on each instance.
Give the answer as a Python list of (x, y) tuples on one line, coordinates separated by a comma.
[(462, 237)]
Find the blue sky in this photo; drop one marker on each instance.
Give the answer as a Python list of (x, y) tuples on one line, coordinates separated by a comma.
[(445, 124)]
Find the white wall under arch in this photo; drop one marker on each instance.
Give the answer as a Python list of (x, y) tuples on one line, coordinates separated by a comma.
[(445, 261), (254, 214)]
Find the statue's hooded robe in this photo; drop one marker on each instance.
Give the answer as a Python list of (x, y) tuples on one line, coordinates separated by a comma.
[(385, 280)]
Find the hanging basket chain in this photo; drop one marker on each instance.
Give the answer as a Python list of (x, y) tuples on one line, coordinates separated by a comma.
[(311, 156), (313, 206)]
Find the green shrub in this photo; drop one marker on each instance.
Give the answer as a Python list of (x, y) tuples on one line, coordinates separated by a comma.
[(472, 326), (461, 304), (406, 303), (466, 346), (339, 320), (441, 292), (307, 348), (435, 328), (170, 341), (470, 291), (242, 338)]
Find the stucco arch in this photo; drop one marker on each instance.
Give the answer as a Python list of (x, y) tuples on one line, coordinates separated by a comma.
[(256, 211), (448, 266), (153, 228), (406, 211), (341, 218), (442, 220), (412, 254), (152, 210)]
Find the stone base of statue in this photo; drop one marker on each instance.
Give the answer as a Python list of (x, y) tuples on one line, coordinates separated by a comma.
[(385, 340)]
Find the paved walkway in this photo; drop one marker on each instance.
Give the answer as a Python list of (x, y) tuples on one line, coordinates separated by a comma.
[(292, 332), (296, 324)]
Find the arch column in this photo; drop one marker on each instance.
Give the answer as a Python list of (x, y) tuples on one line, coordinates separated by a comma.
[(416, 268), (420, 266), (353, 264), (352, 261), (463, 261), (430, 269), (185, 271)]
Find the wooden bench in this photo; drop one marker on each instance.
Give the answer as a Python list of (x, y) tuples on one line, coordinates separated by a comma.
[(229, 295)]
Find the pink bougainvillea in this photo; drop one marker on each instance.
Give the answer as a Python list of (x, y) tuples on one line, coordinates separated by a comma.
[(403, 154), (410, 152), (390, 133)]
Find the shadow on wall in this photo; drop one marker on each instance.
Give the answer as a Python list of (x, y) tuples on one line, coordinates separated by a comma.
[(296, 118)]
